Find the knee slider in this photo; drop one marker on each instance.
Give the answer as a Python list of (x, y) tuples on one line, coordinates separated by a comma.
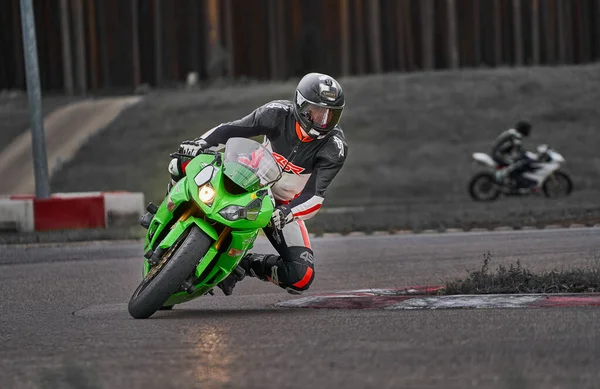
[(304, 270), (306, 276)]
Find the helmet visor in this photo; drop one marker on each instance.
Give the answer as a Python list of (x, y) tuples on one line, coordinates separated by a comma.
[(321, 118)]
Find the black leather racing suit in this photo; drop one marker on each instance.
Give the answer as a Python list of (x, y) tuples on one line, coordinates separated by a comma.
[(507, 152), (310, 166)]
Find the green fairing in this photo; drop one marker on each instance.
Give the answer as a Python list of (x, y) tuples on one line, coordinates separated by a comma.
[(214, 266), (243, 241), (224, 199)]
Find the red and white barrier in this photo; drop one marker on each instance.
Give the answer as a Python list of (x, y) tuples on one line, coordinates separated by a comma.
[(25, 213)]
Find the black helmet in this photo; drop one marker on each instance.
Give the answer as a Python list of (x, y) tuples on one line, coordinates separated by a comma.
[(523, 127), (318, 104)]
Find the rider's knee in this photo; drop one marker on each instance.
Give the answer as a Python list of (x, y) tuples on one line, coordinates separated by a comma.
[(302, 272), (303, 279)]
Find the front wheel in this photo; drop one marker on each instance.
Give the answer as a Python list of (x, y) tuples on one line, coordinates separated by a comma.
[(558, 184), (483, 187), (166, 277)]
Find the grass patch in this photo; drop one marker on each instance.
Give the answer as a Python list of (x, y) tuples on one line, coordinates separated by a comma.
[(516, 278)]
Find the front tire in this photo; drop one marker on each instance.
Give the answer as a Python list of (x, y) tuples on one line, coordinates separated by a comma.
[(558, 184), (483, 187), (166, 277)]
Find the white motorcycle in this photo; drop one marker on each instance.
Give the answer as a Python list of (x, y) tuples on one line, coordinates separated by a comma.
[(543, 176)]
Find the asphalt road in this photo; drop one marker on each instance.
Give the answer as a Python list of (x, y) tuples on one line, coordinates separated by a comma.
[(64, 322)]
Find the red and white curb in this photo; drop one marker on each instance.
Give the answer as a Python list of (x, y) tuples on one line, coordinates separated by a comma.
[(25, 213), (426, 298)]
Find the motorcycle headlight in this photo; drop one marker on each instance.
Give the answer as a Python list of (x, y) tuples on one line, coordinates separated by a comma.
[(233, 212), (236, 212), (206, 193), (253, 209), (204, 175)]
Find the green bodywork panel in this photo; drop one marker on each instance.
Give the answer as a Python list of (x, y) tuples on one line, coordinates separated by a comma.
[(224, 199), (213, 267), (216, 269)]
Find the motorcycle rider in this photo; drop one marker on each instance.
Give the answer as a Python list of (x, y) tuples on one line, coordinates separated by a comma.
[(308, 144), (507, 152)]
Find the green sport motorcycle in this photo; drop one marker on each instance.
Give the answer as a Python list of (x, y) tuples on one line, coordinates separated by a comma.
[(205, 225)]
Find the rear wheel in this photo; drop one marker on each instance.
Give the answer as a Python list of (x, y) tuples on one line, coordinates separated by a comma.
[(483, 187), (166, 277), (558, 184)]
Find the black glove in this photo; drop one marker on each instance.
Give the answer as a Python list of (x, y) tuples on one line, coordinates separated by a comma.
[(192, 148), (282, 215)]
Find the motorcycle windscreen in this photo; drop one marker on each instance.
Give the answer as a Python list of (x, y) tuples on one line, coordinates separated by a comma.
[(248, 164)]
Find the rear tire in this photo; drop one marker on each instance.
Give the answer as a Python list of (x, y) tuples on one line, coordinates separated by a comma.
[(155, 289), (490, 187), (565, 185)]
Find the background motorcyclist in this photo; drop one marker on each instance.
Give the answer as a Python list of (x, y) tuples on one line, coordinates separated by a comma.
[(310, 147), (507, 152)]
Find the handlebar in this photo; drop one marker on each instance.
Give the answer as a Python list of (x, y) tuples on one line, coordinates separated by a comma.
[(218, 160), (176, 154)]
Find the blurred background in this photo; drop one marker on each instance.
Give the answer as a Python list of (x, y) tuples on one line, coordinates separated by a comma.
[(100, 45), (427, 83)]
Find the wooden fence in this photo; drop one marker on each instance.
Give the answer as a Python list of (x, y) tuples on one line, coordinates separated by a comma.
[(94, 45)]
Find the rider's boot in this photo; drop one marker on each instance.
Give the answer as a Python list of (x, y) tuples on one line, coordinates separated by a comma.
[(228, 283)]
